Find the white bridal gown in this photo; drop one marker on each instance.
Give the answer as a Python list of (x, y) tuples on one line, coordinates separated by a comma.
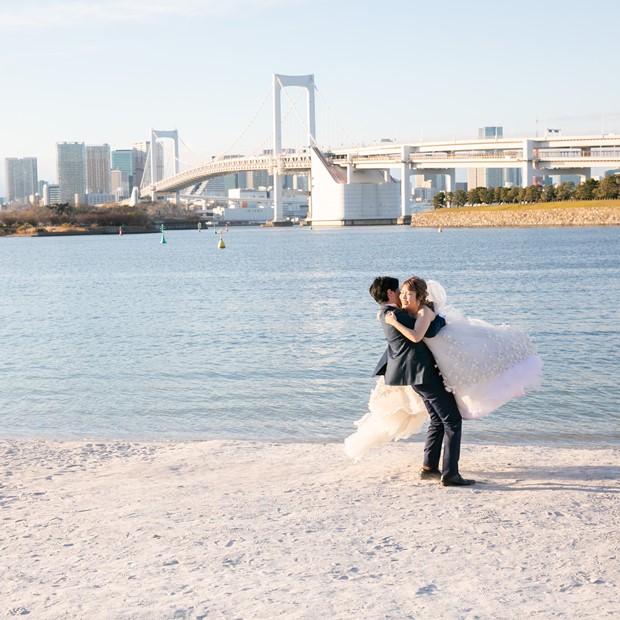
[(484, 365)]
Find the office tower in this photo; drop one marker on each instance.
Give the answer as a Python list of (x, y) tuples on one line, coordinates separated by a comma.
[(486, 177), (218, 187), (54, 194), (512, 177), (431, 181), (490, 133), (120, 184), (71, 169), (98, 169), (259, 178), (21, 179), (300, 182), (50, 194), (242, 180), (124, 160), (140, 152)]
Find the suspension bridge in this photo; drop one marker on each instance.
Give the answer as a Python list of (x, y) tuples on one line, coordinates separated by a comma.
[(354, 185)]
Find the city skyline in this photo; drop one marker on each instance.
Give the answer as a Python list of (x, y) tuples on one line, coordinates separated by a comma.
[(100, 73)]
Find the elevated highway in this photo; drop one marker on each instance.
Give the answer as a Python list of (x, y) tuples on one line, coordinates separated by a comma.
[(535, 157), (538, 156)]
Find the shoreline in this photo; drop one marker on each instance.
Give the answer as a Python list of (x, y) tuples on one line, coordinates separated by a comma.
[(525, 216), (190, 529)]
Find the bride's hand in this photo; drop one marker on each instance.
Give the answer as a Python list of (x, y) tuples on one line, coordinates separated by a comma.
[(390, 318)]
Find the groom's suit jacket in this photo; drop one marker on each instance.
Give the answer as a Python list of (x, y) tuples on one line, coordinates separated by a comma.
[(406, 362)]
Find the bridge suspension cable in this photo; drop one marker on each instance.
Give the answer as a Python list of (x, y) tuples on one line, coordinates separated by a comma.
[(333, 116), (245, 129), (198, 156)]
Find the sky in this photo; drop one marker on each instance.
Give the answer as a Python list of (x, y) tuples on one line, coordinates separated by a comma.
[(108, 71)]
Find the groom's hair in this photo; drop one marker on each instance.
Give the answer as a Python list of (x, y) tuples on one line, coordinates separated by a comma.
[(380, 286)]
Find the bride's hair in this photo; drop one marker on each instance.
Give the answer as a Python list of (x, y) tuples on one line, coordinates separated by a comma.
[(421, 291)]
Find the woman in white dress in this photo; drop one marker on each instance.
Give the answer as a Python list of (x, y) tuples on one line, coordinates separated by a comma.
[(484, 365)]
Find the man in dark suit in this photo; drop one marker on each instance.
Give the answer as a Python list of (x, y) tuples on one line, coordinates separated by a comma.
[(411, 363)]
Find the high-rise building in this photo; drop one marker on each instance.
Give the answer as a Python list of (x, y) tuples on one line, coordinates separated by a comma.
[(512, 177), (218, 187), (21, 179), (50, 194), (120, 184), (124, 160), (71, 169), (487, 177), (259, 178), (140, 153), (490, 133), (98, 169)]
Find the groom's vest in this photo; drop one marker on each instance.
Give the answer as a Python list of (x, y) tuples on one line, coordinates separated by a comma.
[(406, 362)]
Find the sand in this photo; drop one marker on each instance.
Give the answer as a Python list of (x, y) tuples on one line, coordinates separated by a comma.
[(222, 529)]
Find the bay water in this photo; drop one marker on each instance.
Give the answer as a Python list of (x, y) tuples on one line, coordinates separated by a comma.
[(275, 337)]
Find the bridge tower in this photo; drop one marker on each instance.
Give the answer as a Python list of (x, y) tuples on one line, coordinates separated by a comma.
[(280, 82), (157, 135)]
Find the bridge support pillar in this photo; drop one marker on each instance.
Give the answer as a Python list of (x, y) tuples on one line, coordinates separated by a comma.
[(405, 186), (586, 175), (280, 82), (153, 159), (451, 180), (350, 168), (527, 168), (278, 207)]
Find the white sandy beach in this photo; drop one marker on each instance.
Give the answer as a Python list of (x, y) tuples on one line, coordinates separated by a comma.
[(222, 529)]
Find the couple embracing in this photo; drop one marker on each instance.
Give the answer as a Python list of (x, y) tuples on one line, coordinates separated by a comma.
[(442, 367)]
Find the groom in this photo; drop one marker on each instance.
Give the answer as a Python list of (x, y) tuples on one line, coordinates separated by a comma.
[(411, 363)]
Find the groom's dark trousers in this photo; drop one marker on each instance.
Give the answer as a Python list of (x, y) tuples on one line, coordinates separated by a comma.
[(409, 363), (444, 427)]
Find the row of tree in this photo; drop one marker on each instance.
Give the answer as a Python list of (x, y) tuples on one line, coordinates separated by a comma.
[(607, 188)]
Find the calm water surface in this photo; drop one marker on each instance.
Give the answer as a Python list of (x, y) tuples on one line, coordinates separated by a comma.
[(275, 337)]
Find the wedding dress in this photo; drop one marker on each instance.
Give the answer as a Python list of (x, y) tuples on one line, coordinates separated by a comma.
[(484, 365)]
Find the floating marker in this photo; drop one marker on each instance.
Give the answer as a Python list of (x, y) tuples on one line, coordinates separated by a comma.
[(163, 237), (220, 244), (439, 229), (199, 226), (120, 231)]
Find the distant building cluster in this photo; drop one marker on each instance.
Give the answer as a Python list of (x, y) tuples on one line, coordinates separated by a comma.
[(95, 174), (87, 174)]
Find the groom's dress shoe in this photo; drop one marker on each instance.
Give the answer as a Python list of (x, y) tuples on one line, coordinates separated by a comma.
[(429, 474), (456, 481)]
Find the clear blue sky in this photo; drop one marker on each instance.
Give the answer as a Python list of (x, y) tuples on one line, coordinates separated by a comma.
[(99, 71)]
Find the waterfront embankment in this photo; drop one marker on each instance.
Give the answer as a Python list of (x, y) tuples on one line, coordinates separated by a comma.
[(592, 213)]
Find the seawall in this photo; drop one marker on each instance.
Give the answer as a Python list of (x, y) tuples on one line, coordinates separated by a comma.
[(456, 217)]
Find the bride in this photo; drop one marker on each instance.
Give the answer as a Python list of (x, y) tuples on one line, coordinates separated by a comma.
[(484, 365)]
